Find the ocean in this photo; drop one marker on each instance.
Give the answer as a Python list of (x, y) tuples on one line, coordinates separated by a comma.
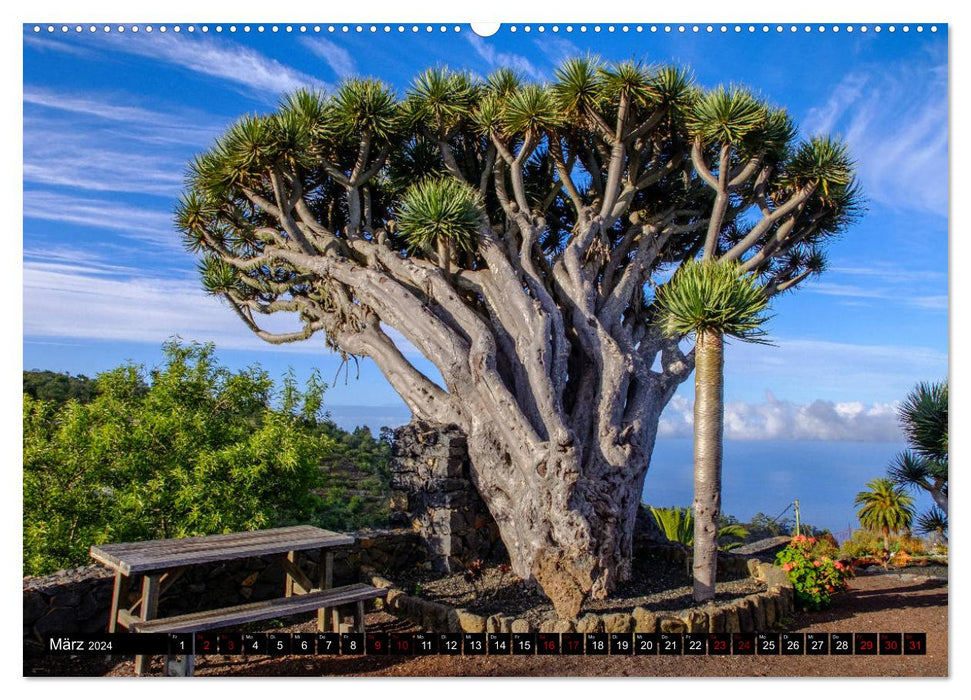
[(757, 475), (766, 476)]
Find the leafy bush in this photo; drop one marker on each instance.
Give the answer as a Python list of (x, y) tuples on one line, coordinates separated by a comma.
[(814, 578), (188, 449), (826, 547), (862, 544)]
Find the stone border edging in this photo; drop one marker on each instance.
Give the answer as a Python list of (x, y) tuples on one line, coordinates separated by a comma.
[(758, 612)]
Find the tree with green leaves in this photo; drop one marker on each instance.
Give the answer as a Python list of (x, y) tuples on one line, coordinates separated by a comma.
[(514, 234), (923, 417), (708, 300), (190, 448), (885, 508)]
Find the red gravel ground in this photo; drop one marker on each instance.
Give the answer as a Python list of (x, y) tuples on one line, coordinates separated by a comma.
[(875, 604)]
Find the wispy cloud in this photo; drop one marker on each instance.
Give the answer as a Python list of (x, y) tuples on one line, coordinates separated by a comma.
[(89, 299), (47, 43), (806, 369), (337, 57), (502, 59), (116, 111), (224, 59), (785, 420), (75, 159), (151, 225), (557, 49), (926, 289), (895, 121)]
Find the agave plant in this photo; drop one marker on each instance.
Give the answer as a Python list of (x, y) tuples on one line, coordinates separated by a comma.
[(678, 525)]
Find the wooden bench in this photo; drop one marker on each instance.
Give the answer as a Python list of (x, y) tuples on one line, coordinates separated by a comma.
[(332, 598), (161, 562)]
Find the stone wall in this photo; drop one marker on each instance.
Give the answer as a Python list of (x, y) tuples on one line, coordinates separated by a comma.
[(431, 492), (754, 613), (79, 600)]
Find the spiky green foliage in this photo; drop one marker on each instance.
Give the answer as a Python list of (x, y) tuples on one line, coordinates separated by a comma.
[(924, 419), (631, 80), (443, 98), (726, 116), (440, 209), (712, 296), (916, 471), (578, 85), (678, 525), (885, 507), (530, 110), (822, 161), (366, 107), (932, 522)]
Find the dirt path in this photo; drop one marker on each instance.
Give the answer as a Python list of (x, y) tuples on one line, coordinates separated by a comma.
[(875, 604)]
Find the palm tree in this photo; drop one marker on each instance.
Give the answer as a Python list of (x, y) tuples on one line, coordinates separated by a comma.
[(710, 299), (885, 508), (923, 417)]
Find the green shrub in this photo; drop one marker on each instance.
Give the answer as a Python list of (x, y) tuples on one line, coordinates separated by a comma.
[(862, 544), (188, 449), (814, 578)]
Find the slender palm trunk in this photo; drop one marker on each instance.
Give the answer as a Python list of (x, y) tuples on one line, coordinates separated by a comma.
[(708, 430)]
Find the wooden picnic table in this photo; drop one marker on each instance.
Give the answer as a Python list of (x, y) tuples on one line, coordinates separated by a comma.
[(162, 562)]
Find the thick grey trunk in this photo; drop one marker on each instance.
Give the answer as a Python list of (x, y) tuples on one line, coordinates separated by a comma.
[(708, 428), (567, 523)]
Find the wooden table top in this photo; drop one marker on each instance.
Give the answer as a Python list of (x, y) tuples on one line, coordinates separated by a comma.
[(159, 555)]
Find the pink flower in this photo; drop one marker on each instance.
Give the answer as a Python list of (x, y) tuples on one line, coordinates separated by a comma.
[(817, 563), (787, 566)]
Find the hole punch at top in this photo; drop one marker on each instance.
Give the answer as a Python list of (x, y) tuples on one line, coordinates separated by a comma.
[(485, 28)]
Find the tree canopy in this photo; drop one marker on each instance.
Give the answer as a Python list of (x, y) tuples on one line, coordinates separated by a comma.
[(189, 448), (514, 234)]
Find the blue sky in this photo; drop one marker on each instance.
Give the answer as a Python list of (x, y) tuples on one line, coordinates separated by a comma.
[(111, 119)]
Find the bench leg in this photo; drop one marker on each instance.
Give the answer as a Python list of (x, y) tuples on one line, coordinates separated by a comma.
[(325, 580), (148, 610), (360, 616), (119, 598)]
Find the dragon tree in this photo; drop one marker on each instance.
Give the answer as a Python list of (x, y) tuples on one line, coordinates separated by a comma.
[(514, 234)]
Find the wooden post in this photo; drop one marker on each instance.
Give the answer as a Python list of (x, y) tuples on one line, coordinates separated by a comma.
[(325, 580), (360, 616), (119, 595), (292, 558), (148, 610)]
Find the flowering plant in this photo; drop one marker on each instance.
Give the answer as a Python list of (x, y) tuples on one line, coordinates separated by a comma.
[(815, 578)]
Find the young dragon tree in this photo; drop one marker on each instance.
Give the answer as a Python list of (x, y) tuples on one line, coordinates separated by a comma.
[(709, 299), (512, 233)]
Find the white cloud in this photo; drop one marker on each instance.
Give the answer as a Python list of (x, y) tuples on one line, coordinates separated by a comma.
[(338, 58), (785, 420), (839, 371), (77, 159), (557, 49), (895, 121), (149, 225), (225, 60), (500, 59), (77, 294), (183, 127), (89, 300)]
